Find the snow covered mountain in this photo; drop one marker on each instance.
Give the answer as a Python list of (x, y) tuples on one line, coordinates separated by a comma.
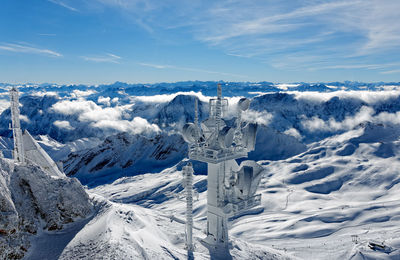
[(33, 202), (125, 155), (318, 115), (330, 152), (328, 202)]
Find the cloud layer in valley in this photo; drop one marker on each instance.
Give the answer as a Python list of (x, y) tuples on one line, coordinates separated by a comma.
[(113, 118)]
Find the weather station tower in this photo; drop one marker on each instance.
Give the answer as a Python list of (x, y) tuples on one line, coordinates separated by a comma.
[(18, 152), (231, 187), (26, 148)]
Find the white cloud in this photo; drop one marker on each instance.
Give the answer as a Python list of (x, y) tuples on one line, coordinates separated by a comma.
[(155, 66), (4, 104), (366, 114), (270, 27), (76, 93), (267, 24), (388, 118), (44, 93), (262, 118), (349, 123), (108, 118), (104, 100), (24, 118), (136, 126), (115, 100), (63, 4), (391, 72), (369, 97), (284, 86), (98, 114), (293, 132), (68, 107), (63, 125), (112, 58), (168, 97), (11, 47), (310, 34)]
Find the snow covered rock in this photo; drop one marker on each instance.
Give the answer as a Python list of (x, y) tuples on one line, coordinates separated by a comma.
[(31, 200), (125, 155), (180, 110), (273, 145)]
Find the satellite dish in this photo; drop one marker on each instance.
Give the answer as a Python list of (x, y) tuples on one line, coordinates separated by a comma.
[(244, 104), (189, 132), (225, 137)]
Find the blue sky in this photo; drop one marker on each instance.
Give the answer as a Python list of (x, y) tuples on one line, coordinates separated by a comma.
[(145, 41)]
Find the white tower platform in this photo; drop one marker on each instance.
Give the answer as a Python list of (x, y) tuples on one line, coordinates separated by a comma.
[(230, 188)]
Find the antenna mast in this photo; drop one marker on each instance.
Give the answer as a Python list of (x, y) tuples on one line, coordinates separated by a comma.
[(18, 153), (188, 179), (218, 108), (231, 188)]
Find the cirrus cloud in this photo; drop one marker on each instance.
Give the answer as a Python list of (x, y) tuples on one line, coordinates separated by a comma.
[(24, 48)]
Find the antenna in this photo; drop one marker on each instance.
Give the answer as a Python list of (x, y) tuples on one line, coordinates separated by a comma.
[(188, 175), (196, 121), (230, 188), (19, 152), (196, 112), (218, 108)]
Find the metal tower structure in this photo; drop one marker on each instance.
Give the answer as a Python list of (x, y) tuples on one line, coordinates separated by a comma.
[(19, 152), (230, 188), (26, 149), (188, 184)]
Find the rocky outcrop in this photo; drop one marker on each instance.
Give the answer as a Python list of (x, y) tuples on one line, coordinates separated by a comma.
[(31, 200)]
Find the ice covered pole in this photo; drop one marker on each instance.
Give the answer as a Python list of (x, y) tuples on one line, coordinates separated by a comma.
[(196, 112), (18, 152), (196, 121), (218, 108), (188, 174)]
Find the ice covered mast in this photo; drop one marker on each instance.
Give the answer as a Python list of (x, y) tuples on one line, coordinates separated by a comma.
[(230, 188), (19, 152), (26, 149), (188, 179)]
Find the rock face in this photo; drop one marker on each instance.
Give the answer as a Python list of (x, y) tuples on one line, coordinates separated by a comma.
[(179, 111), (125, 155), (31, 200)]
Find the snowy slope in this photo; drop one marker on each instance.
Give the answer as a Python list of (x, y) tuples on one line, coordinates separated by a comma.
[(121, 231), (127, 155), (33, 201), (312, 203), (331, 159)]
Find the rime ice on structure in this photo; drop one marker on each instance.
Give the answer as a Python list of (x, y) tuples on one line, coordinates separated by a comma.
[(231, 188), (18, 153), (26, 149), (188, 184)]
